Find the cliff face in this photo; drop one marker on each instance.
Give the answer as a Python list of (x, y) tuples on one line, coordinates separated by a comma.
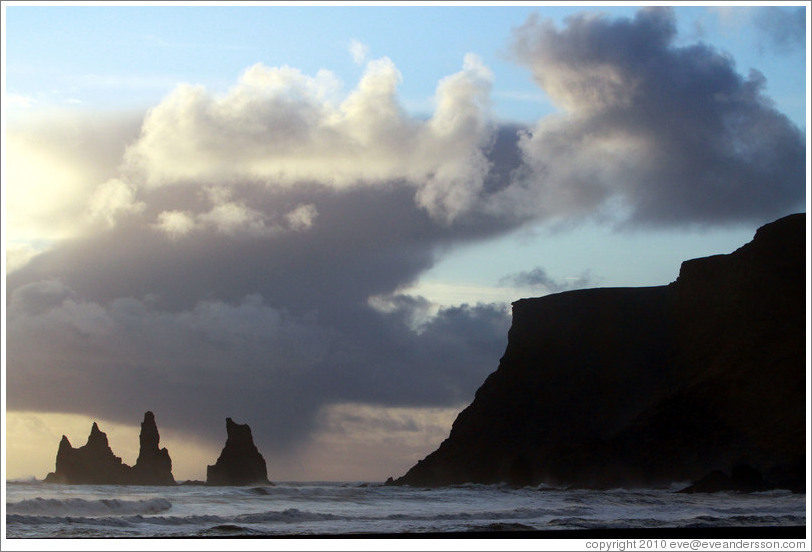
[(647, 386), (240, 462), (95, 464)]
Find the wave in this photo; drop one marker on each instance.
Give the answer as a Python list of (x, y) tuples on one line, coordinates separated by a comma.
[(743, 521), (31, 480), (500, 527), (25, 520), (348, 508), (518, 513), (291, 515), (287, 516), (229, 530), (81, 507), (259, 491), (698, 521), (123, 521)]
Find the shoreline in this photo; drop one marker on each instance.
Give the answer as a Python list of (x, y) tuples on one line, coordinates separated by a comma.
[(772, 532), (766, 532)]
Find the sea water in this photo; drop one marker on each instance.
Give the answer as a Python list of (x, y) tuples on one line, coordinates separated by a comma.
[(38, 510)]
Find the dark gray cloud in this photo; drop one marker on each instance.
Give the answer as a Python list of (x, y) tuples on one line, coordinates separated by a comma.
[(210, 289), (784, 28), (539, 278), (650, 132), (266, 328)]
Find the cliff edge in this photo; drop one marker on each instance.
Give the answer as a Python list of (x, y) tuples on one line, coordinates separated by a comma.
[(632, 387)]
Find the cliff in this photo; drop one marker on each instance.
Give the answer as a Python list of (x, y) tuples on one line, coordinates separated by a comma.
[(647, 386), (95, 464), (240, 462)]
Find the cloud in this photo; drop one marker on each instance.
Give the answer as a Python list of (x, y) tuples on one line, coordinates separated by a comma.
[(56, 161), (281, 128), (358, 51), (540, 279), (175, 223), (183, 306), (783, 27), (19, 254), (362, 442), (232, 218), (779, 29), (19, 101), (251, 250), (461, 130), (649, 132), (302, 217), (249, 360), (112, 200)]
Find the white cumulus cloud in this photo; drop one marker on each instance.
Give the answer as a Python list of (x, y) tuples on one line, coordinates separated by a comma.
[(113, 199), (358, 51), (279, 127)]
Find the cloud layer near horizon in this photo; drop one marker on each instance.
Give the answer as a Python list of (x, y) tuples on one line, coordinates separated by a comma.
[(245, 254)]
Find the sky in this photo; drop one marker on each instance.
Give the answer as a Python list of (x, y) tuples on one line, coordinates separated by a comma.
[(313, 219)]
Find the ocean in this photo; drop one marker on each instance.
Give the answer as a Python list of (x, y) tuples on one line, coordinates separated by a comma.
[(39, 510)]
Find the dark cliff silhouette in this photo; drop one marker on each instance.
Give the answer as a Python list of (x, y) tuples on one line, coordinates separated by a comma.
[(240, 462), (95, 464), (648, 386)]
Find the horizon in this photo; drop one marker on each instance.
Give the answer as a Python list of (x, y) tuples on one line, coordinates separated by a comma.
[(297, 218)]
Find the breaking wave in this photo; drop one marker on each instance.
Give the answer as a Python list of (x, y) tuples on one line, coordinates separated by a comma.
[(82, 507), (290, 515)]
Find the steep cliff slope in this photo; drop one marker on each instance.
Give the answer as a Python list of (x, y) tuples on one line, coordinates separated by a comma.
[(646, 386)]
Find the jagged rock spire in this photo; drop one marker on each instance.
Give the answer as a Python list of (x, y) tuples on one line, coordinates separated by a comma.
[(240, 462), (92, 464), (154, 466), (95, 464)]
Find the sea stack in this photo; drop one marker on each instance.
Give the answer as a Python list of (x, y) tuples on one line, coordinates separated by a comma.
[(240, 462), (154, 466), (95, 464), (91, 464), (630, 387)]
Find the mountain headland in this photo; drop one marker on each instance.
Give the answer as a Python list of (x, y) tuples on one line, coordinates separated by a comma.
[(629, 387)]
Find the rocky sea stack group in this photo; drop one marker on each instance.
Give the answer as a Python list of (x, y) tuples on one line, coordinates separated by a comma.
[(240, 463)]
